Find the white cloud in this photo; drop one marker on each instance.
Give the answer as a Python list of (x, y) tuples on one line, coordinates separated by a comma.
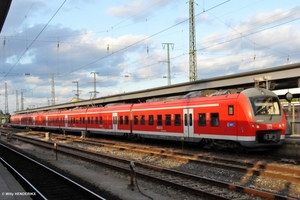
[(34, 80)]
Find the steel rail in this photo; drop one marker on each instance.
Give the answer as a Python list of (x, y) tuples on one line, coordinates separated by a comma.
[(55, 172), (71, 150)]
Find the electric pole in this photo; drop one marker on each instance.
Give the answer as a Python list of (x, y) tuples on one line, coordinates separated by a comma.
[(95, 91), (17, 101), (193, 55), (22, 99), (77, 94), (6, 99), (53, 90), (169, 68)]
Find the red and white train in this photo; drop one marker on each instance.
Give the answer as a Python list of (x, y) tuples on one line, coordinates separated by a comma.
[(252, 118)]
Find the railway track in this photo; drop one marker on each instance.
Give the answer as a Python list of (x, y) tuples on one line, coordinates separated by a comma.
[(41, 181), (247, 167), (184, 181)]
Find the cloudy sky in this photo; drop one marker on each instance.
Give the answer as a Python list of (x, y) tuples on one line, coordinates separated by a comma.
[(122, 40)]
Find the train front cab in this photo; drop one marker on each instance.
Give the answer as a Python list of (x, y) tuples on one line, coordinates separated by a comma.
[(264, 124)]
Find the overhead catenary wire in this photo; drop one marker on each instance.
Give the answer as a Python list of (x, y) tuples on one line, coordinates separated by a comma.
[(33, 41), (109, 55), (137, 42)]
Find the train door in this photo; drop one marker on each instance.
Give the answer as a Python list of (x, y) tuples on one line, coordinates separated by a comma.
[(115, 122), (188, 122), (231, 128), (66, 120)]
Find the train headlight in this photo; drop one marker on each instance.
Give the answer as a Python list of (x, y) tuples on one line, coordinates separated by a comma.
[(279, 125), (257, 126)]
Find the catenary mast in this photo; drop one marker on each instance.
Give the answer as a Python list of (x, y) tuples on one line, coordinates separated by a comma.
[(192, 53)]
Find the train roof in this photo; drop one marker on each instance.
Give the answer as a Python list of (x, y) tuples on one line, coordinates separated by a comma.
[(251, 92)]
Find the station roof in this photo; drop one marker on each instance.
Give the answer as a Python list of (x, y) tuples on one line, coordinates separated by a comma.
[(4, 8)]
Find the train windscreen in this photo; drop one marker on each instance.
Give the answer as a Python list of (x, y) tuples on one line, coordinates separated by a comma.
[(265, 105)]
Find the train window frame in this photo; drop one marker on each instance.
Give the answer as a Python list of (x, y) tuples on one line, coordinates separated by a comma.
[(214, 119), (159, 120), (100, 120), (230, 109), (177, 120), (115, 120), (150, 120), (201, 119), (265, 105), (142, 121), (136, 120), (126, 119), (120, 119), (168, 120), (191, 119)]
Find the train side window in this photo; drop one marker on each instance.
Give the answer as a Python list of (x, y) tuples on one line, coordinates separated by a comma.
[(151, 119), (89, 120), (121, 119), (80, 120), (159, 120), (191, 119), (168, 120), (83, 120), (230, 110), (142, 119), (214, 119), (126, 120), (201, 119), (177, 120), (101, 121), (136, 120), (96, 120), (92, 120)]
